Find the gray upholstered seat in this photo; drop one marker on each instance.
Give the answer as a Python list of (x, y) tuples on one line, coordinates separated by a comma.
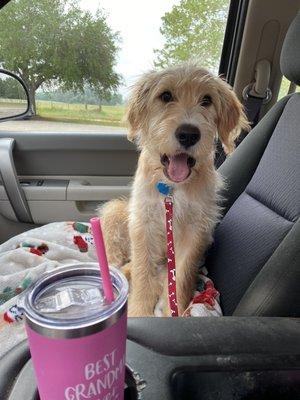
[(255, 260)]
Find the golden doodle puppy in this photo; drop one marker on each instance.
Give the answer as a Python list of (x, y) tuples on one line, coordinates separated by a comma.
[(174, 116)]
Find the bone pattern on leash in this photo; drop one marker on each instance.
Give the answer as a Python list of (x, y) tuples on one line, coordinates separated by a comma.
[(171, 258)]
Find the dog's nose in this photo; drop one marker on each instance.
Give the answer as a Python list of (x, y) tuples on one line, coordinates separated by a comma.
[(187, 135)]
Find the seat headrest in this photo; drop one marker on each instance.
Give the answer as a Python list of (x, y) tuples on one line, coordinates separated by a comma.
[(290, 53)]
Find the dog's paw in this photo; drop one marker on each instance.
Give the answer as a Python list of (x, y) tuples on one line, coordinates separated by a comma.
[(126, 269)]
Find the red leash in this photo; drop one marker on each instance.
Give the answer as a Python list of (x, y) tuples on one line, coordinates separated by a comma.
[(171, 257)]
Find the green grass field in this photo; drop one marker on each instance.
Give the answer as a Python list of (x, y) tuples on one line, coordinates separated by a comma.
[(81, 113), (89, 114)]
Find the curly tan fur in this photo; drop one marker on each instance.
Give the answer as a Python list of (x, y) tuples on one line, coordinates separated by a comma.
[(134, 230)]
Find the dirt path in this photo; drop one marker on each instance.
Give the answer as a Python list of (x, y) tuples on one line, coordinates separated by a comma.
[(50, 126)]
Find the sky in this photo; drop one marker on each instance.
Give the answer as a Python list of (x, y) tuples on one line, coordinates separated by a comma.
[(138, 22)]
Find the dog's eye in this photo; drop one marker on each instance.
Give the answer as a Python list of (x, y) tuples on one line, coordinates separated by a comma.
[(206, 101), (166, 97)]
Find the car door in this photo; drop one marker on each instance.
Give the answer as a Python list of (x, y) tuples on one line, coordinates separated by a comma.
[(63, 175)]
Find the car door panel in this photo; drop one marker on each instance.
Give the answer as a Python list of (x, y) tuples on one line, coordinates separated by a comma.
[(66, 176), (44, 153)]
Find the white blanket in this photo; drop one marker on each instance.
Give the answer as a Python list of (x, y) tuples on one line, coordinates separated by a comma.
[(25, 257)]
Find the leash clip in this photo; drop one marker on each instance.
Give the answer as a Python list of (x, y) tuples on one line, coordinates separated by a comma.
[(169, 199)]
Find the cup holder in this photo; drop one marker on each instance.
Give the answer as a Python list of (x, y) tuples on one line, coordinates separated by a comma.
[(133, 384)]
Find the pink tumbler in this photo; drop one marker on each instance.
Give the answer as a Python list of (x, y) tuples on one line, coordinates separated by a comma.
[(77, 340)]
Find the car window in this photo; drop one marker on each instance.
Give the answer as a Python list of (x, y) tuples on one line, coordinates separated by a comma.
[(78, 58), (285, 88)]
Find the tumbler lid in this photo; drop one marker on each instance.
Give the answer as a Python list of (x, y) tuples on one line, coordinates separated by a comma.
[(72, 299)]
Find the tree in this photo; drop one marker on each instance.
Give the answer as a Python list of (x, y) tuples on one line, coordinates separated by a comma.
[(56, 43), (194, 29), (69, 96), (10, 88)]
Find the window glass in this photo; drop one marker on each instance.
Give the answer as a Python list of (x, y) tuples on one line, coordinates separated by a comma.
[(284, 87), (78, 57)]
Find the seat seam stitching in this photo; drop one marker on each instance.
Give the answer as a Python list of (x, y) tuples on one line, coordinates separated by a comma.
[(269, 208)]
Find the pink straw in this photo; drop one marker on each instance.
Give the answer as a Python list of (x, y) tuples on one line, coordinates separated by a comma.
[(102, 259)]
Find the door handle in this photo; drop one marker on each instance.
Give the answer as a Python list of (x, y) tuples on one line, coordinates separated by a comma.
[(11, 182), (81, 191)]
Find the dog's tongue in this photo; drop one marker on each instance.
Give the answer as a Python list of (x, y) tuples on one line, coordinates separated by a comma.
[(178, 169)]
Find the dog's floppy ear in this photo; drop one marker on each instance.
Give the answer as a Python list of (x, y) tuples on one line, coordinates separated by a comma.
[(137, 105), (231, 117)]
